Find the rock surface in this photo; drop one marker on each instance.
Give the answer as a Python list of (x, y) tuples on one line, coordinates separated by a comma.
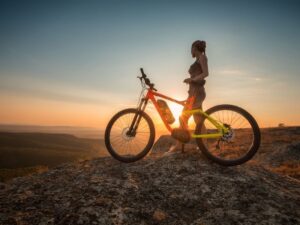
[(182, 188)]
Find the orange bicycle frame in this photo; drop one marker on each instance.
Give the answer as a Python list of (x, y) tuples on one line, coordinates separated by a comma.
[(151, 95)]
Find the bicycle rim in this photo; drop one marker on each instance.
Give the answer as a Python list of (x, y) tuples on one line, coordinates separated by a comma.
[(127, 146), (239, 144)]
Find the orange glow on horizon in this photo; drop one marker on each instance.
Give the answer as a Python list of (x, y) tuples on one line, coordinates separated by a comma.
[(26, 111), (32, 111)]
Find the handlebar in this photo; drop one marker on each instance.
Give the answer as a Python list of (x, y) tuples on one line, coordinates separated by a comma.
[(142, 72), (147, 81)]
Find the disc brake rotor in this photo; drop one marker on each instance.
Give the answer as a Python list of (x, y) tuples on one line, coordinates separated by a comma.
[(228, 136)]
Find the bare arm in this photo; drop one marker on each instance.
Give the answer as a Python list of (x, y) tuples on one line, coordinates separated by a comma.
[(204, 66)]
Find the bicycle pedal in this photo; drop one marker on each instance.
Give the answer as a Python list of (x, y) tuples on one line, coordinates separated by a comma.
[(181, 135)]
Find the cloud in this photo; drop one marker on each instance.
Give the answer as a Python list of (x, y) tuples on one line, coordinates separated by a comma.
[(233, 72), (241, 75)]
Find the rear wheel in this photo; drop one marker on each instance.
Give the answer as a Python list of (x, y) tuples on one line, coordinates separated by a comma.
[(125, 145), (235, 147)]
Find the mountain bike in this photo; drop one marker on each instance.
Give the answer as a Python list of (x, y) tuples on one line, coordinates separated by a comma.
[(227, 134)]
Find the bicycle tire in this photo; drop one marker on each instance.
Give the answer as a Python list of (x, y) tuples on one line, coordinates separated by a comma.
[(256, 136), (147, 148)]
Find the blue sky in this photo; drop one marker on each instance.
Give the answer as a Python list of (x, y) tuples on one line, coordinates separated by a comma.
[(82, 57)]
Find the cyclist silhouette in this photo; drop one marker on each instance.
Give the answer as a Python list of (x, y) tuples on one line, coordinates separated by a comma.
[(198, 71)]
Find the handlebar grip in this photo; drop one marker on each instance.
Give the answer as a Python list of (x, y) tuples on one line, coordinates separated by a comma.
[(147, 81), (142, 71)]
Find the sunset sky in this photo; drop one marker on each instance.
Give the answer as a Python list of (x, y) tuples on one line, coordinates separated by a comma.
[(75, 63)]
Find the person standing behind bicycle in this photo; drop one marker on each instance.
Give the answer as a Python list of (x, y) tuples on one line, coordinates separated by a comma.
[(198, 71)]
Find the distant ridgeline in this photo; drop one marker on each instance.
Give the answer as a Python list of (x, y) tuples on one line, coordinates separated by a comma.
[(81, 132), (20, 150)]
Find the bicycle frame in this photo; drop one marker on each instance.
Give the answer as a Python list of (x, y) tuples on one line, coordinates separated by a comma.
[(188, 104)]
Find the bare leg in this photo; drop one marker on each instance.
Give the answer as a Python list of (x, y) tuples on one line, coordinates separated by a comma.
[(179, 146), (198, 119), (183, 120)]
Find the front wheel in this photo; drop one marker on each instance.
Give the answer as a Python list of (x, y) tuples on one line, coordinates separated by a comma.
[(126, 144), (235, 147)]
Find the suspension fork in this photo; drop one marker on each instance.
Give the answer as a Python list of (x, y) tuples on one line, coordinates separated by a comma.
[(137, 117)]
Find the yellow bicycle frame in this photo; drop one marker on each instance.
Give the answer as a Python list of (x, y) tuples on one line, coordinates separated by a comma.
[(221, 128)]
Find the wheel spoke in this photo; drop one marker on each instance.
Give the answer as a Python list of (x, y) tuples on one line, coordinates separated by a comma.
[(125, 145), (236, 143)]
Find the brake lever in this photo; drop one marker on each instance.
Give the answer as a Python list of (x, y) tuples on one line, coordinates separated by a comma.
[(147, 81), (151, 85)]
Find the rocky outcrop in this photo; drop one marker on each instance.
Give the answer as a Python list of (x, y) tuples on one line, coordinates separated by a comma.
[(182, 188), (284, 160), (288, 153)]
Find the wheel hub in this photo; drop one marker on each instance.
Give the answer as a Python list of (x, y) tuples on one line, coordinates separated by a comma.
[(229, 135), (125, 134)]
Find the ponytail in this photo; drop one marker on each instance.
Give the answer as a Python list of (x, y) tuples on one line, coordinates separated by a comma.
[(200, 45)]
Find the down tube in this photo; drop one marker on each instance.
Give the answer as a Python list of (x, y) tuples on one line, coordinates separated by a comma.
[(151, 96)]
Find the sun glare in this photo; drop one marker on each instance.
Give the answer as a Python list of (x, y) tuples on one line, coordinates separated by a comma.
[(176, 110)]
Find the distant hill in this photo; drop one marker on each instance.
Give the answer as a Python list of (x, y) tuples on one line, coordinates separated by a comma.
[(30, 149), (82, 132)]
